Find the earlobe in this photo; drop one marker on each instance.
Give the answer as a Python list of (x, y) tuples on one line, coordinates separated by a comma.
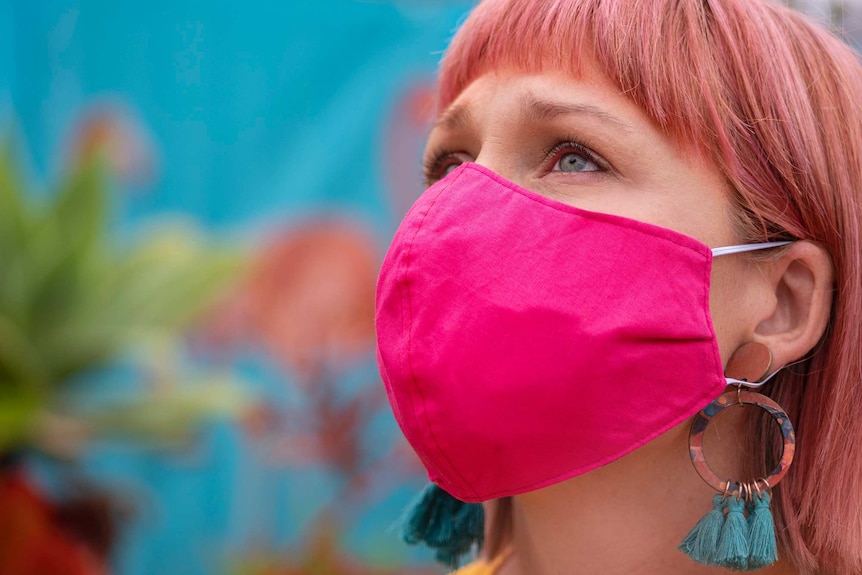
[(802, 282)]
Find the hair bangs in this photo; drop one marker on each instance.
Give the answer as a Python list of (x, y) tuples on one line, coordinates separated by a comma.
[(653, 55)]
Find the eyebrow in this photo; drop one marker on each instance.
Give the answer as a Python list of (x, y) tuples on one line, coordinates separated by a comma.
[(459, 116), (547, 110), (455, 117)]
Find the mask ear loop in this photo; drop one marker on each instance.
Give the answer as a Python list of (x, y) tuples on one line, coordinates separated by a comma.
[(727, 250), (749, 384), (750, 366)]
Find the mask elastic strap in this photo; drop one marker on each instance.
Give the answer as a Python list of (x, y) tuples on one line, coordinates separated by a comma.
[(751, 384), (727, 250)]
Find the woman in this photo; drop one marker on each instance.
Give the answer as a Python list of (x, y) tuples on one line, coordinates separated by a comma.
[(559, 320)]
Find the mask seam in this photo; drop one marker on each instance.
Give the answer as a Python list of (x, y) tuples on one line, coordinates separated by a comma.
[(405, 295)]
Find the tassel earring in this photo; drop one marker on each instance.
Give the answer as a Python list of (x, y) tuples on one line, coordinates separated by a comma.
[(739, 532), (761, 530), (449, 526)]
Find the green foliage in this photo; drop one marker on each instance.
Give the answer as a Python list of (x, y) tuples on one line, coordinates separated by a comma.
[(70, 299), (168, 418)]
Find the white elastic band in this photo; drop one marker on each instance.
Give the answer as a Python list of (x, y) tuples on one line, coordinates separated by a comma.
[(727, 250), (751, 384)]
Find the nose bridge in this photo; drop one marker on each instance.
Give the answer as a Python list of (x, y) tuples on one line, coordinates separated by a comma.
[(498, 123), (497, 155), (487, 160)]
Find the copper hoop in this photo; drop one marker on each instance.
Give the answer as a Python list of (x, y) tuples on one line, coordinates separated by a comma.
[(730, 399)]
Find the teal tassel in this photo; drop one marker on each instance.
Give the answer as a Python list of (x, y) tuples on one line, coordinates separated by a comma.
[(764, 549), (701, 544), (733, 544), (449, 526)]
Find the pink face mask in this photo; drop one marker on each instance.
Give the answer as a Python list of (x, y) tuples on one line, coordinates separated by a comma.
[(523, 341)]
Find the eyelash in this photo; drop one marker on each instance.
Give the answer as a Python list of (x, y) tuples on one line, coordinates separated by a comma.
[(433, 166)]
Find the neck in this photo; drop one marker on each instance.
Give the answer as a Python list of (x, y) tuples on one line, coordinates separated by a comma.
[(607, 522)]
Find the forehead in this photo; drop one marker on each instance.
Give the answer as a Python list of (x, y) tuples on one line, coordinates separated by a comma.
[(543, 98), (545, 70), (586, 98)]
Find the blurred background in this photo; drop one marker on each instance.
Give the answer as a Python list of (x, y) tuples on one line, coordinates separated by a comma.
[(195, 197)]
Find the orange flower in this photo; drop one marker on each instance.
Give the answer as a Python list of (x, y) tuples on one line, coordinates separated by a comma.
[(308, 299)]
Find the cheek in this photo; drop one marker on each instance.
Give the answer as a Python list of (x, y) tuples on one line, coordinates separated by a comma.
[(730, 304), (695, 200)]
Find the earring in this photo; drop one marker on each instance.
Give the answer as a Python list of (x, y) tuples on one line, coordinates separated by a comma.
[(726, 536), (451, 527)]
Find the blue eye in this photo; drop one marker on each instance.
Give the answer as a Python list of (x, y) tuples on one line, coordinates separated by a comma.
[(569, 156), (575, 162)]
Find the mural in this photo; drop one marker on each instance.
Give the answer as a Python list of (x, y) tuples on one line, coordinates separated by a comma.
[(195, 197), (278, 144)]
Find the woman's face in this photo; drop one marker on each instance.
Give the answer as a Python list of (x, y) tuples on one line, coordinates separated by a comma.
[(581, 142)]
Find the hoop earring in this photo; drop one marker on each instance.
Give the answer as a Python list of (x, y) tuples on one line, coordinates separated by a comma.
[(725, 537)]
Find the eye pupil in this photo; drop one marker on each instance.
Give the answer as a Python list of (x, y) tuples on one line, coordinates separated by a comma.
[(573, 163)]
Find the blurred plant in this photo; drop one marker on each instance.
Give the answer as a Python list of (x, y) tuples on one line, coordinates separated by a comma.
[(70, 301)]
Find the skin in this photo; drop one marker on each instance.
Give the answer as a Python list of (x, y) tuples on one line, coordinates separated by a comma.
[(628, 517)]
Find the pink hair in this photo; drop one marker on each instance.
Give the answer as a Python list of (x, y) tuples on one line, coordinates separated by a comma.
[(774, 101)]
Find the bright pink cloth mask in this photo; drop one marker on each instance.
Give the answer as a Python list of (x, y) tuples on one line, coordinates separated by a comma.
[(523, 341)]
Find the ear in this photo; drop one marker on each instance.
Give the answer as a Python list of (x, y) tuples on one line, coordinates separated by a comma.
[(801, 281)]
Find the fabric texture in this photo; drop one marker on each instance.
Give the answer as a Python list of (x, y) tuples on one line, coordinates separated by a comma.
[(523, 341)]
